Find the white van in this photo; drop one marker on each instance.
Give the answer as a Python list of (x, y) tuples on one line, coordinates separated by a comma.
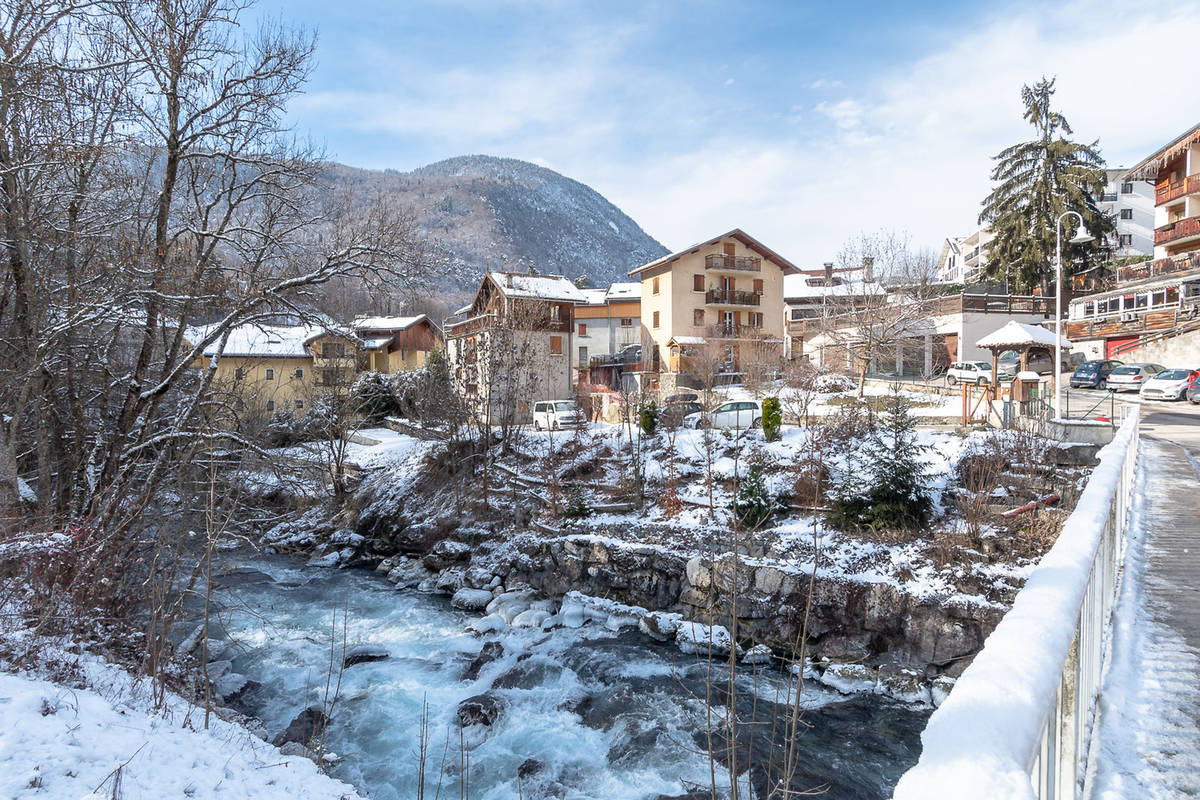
[(556, 414)]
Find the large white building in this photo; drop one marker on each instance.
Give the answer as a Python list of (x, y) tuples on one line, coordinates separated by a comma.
[(1131, 204), (964, 257)]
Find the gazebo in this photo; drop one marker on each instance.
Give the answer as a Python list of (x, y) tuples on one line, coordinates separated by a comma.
[(1022, 338)]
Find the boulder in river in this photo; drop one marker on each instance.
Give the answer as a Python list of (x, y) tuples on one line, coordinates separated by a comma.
[(308, 725), (482, 709), (471, 599), (491, 651), (364, 653)]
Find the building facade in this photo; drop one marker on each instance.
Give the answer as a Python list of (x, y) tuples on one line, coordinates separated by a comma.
[(1130, 203), (723, 296), (607, 323), (396, 344)]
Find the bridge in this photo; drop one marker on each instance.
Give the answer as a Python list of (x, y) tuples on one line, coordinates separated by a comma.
[(1088, 688)]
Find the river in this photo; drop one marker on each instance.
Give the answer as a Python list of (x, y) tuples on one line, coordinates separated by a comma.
[(584, 713)]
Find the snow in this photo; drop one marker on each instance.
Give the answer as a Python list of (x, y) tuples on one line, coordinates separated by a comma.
[(256, 339), (386, 323), (982, 739), (687, 340), (540, 287), (798, 286), (625, 290), (1015, 334), (68, 742)]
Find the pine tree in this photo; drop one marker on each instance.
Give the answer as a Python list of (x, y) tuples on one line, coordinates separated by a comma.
[(1035, 183)]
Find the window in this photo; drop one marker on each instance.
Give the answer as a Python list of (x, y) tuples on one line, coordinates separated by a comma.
[(1126, 213), (758, 286), (582, 329), (729, 248), (270, 405), (755, 319), (270, 374), (299, 404), (554, 313), (239, 373), (333, 350), (698, 316), (654, 288), (582, 355), (697, 283), (329, 377), (1126, 240), (1126, 188), (556, 345), (655, 317), (299, 373), (626, 322)]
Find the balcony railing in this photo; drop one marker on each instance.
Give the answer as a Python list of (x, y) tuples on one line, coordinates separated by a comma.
[(1188, 226), (1171, 191), (1159, 267), (1108, 197), (742, 263), (731, 297)]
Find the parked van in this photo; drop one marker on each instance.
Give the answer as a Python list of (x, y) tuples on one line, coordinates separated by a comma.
[(556, 414)]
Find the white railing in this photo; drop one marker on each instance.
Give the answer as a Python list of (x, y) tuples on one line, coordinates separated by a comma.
[(1018, 722)]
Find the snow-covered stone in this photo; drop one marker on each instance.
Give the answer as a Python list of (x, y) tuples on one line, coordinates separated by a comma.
[(471, 599), (487, 624), (571, 612), (757, 655), (693, 637), (850, 678), (940, 689), (530, 618), (450, 581), (660, 625), (905, 685), (510, 604), (699, 573), (407, 573)]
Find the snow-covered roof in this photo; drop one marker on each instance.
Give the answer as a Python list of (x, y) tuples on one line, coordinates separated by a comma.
[(1017, 334), (801, 286), (595, 297), (539, 287), (628, 290), (687, 340), (376, 342), (386, 323), (256, 339), (737, 233)]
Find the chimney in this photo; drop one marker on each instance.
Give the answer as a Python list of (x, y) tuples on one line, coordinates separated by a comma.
[(508, 279), (829, 273), (868, 269)]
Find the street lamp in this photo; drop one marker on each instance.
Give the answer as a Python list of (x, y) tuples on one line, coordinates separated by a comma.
[(1081, 237)]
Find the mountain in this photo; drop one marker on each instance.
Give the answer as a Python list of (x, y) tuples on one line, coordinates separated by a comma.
[(503, 213)]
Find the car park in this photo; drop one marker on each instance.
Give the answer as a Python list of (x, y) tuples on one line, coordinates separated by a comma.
[(1130, 377), (1171, 384), (976, 372), (1093, 374), (734, 415), (556, 414)]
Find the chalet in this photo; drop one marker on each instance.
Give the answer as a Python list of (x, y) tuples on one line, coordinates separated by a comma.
[(512, 344), (1151, 310), (395, 344), (726, 291)]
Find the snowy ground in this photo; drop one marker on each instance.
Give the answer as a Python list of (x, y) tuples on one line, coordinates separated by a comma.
[(95, 733), (825, 403)]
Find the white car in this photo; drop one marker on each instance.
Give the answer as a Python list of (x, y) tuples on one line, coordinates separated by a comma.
[(976, 372), (556, 414), (1131, 377), (1171, 384), (734, 415)]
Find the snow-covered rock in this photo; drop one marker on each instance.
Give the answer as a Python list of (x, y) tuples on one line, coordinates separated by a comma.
[(905, 685), (487, 624), (940, 689), (699, 573), (364, 653), (510, 604), (471, 599), (530, 618), (407, 573), (850, 678), (757, 655), (660, 625), (693, 637), (450, 581)]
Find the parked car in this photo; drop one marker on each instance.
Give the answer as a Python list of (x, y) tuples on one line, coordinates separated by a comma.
[(683, 397), (1130, 377), (1093, 374), (734, 415), (673, 414), (1041, 362), (1171, 384), (556, 414), (976, 372), (1193, 392)]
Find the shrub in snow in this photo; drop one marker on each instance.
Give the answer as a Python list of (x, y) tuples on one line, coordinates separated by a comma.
[(772, 418), (576, 507), (648, 417), (885, 484), (753, 504), (832, 382), (374, 397)]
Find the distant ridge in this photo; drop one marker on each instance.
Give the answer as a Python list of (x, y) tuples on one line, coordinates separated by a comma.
[(504, 213)]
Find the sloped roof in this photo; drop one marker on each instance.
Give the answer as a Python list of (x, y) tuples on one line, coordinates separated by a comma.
[(386, 323), (595, 297), (797, 286), (1019, 334), (687, 340), (737, 233), (538, 287), (626, 290), (1148, 168), (259, 340)]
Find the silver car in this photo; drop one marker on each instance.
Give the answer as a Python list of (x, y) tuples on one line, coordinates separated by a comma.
[(1131, 377)]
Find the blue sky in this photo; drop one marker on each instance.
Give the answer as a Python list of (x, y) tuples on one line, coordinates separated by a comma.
[(803, 123)]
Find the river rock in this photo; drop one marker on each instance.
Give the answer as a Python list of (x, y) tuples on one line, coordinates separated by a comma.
[(308, 725), (660, 625), (471, 599), (699, 575), (407, 573), (230, 687), (218, 667), (849, 678), (487, 624), (530, 767), (450, 580), (693, 637), (619, 621), (478, 577), (295, 749), (940, 689), (905, 685), (530, 618), (571, 612), (757, 655), (510, 604), (363, 654), (482, 709), (491, 651), (446, 553)]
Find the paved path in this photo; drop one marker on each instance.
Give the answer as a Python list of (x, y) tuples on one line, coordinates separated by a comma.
[(1150, 719)]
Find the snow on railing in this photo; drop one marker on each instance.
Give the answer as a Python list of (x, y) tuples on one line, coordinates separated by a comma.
[(1017, 723)]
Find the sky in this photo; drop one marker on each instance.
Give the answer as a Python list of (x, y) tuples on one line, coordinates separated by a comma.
[(803, 123)]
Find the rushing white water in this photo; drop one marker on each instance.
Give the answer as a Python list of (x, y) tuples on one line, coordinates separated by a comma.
[(601, 715)]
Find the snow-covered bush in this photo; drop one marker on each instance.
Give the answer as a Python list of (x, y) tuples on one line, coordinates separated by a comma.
[(831, 382), (576, 507), (753, 504), (374, 396)]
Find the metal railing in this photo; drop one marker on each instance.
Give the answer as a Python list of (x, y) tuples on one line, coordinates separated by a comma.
[(731, 297), (1019, 721), (743, 263)]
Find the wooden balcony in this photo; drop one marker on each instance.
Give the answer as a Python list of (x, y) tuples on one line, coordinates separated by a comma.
[(1188, 226), (720, 261), (1136, 322), (731, 297), (1171, 191), (1159, 267)]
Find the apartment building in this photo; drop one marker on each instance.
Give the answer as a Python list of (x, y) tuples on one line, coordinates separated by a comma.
[(1131, 205), (722, 296), (512, 345), (963, 258), (607, 325), (1152, 309)]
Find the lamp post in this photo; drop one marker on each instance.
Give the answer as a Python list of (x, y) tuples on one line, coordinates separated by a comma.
[(1081, 237)]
